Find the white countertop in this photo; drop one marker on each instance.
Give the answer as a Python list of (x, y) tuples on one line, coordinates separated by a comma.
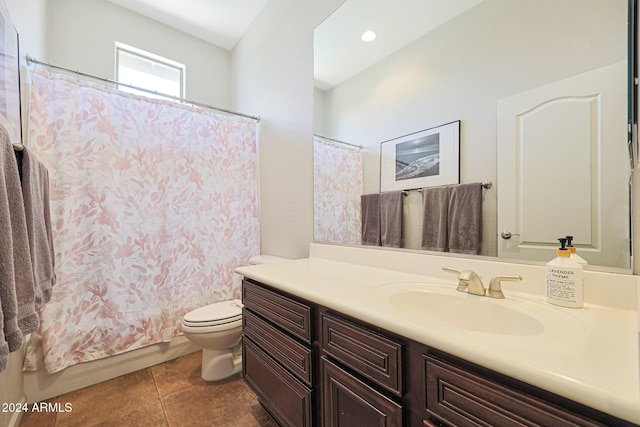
[(595, 364)]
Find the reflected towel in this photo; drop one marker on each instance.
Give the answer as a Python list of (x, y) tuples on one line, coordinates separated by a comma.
[(391, 219), (370, 212), (435, 219), (465, 219), (35, 191)]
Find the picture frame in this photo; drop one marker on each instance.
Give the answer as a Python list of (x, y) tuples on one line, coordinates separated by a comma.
[(426, 158), (10, 107)]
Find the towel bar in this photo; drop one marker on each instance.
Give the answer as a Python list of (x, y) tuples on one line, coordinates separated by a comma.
[(485, 184)]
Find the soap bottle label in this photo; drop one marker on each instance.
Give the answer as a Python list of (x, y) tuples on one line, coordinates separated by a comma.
[(564, 286)]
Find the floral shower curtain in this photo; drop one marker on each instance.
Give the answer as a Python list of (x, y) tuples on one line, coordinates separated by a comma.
[(338, 185), (153, 205)]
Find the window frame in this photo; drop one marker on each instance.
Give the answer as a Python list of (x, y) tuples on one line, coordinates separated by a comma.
[(121, 47)]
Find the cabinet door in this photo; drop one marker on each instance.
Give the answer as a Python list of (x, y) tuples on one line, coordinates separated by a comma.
[(348, 402), (285, 397)]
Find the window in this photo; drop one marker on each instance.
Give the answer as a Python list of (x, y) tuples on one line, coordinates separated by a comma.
[(148, 71)]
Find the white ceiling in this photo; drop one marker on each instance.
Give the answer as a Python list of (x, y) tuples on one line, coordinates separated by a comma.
[(339, 51), (221, 22)]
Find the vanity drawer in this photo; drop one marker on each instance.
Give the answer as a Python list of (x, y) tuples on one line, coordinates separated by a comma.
[(285, 397), (289, 314), (458, 397), (375, 357), (291, 354)]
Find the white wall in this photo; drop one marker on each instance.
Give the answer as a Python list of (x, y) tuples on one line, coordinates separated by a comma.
[(460, 71), (29, 17), (83, 35), (272, 77)]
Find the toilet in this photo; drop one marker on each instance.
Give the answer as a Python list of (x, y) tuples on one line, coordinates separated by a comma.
[(217, 328)]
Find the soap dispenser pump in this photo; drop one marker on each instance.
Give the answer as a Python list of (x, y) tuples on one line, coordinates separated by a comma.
[(574, 256), (564, 279)]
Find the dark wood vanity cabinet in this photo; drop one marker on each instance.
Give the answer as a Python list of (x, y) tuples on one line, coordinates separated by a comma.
[(458, 393), (309, 365), (277, 353)]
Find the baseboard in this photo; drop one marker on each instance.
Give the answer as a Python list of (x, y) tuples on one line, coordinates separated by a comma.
[(16, 417), (40, 386), (11, 390)]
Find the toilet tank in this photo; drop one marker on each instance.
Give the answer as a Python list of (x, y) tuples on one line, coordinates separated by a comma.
[(266, 259), (255, 260)]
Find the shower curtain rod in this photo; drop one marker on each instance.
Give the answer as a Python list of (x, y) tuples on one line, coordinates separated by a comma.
[(31, 60), (339, 142)]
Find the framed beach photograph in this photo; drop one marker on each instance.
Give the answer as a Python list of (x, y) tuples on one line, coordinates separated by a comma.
[(9, 77), (426, 158)]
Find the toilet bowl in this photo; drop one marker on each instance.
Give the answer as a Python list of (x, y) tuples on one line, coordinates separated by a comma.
[(217, 328)]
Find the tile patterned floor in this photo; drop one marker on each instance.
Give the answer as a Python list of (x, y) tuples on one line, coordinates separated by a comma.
[(170, 394)]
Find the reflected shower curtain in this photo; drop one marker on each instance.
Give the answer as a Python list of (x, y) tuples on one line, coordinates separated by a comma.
[(153, 205), (338, 185)]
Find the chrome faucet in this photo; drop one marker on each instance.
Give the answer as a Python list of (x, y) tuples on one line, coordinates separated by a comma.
[(469, 281)]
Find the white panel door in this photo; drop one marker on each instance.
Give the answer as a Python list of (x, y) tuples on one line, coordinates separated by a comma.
[(563, 169)]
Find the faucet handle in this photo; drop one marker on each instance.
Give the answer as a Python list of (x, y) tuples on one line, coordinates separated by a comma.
[(451, 270), (463, 285), (495, 286)]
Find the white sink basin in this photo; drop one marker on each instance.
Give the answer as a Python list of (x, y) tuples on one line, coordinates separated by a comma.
[(430, 303)]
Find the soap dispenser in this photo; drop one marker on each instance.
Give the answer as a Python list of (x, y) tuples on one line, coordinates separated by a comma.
[(564, 279), (574, 256)]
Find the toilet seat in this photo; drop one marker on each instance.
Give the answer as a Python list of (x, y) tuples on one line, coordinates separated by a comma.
[(227, 313)]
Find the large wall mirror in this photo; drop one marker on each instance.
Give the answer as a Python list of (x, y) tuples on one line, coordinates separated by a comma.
[(512, 72)]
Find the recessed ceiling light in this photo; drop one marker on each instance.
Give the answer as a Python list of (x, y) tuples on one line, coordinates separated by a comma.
[(368, 36)]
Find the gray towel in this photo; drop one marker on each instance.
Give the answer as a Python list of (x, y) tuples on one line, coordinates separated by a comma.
[(35, 191), (435, 220), (370, 212), (391, 219), (4, 347), (8, 303), (465, 219), (16, 275)]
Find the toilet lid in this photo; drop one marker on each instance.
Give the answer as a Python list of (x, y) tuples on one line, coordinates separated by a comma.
[(216, 313)]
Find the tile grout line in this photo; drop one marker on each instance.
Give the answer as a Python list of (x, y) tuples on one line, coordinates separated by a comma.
[(155, 384)]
